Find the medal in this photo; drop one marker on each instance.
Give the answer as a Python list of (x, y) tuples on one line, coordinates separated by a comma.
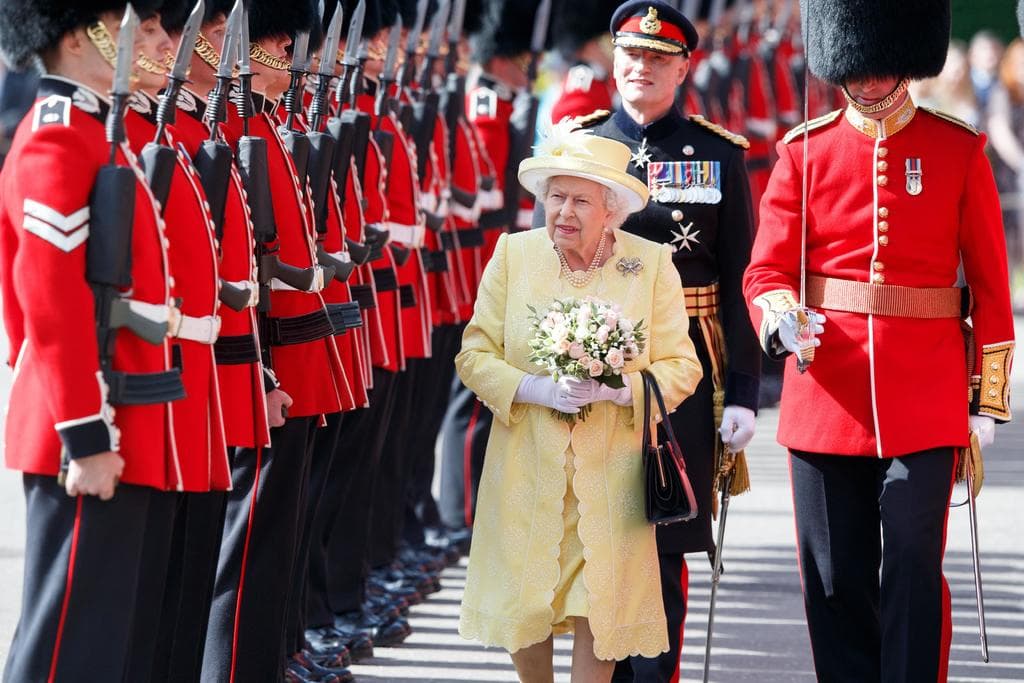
[(914, 177)]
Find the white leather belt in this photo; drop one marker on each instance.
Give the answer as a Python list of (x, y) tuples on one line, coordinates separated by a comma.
[(250, 286), (409, 235), (317, 286), (490, 200), (524, 218), (204, 330), (342, 256)]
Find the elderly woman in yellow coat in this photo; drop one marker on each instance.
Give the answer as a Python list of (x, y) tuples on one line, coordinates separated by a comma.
[(560, 540)]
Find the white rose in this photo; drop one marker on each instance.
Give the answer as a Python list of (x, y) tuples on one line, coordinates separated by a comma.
[(596, 368), (555, 317), (615, 358), (581, 332), (559, 332), (611, 320), (576, 350), (626, 325), (602, 334)]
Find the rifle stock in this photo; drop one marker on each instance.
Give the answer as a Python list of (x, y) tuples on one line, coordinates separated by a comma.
[(235, 298), (342, 269)]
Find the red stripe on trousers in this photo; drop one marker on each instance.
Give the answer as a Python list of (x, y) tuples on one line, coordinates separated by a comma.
[(684, 583), (947, 606), (67, 589), (467, 464), (245, 556)]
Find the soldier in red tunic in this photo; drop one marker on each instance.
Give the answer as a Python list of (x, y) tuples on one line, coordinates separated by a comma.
[(89, 423), (579, 31), (899, 197)]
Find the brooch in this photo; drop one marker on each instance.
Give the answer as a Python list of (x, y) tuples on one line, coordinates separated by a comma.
[(632, 265)]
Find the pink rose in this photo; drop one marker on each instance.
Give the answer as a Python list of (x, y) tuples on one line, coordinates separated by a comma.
[(615, 358), (611, 320), (596, 368), (576, 350), (562, 346), (585, 360)]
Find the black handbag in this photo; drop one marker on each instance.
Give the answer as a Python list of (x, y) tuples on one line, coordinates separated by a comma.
[(668, 495)]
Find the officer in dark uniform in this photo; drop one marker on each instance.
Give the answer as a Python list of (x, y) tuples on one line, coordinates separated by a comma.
[(700, 204)]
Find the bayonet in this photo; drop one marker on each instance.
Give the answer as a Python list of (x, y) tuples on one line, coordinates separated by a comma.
[(325, 69), (437, 25), (387, 75), (300, 62), (350, 59), (410, 46), (216, 109), (125, 53), (178, 74)]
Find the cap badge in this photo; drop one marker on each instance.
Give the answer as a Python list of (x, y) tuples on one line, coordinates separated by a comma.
[(650, 24), (914, 177)]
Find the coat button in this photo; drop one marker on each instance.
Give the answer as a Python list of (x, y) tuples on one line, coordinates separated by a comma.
[(883, 180), (994, 366), (883, 212), (882, 152), (878, 279), (878, 266), (883, 240), (993, 380), (992, 393), (883, 166), (883, 226)]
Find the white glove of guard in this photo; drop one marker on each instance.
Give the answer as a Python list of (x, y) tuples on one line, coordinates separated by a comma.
[(543, 391), (789, 328), (587, 391), (985, 427), (737, 427)]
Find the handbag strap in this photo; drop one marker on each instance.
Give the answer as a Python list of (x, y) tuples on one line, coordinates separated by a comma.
[(646, 443), (651, 384)]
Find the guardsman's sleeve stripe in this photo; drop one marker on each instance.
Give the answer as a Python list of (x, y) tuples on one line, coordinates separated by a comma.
[(63, 232)]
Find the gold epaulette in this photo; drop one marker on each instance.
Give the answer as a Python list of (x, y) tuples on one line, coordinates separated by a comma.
[(952, 119), (734, 138), (811, 125), (593, 118)]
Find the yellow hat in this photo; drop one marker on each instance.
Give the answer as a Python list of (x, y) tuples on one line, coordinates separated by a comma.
[(569, 150)]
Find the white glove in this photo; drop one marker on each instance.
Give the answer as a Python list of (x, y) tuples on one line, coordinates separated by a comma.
[(587, 391), (737, 427), (789, 328), (985, 427), (543, 391)]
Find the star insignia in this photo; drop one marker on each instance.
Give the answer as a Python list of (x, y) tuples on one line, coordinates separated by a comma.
[(642, 156), (685, 238)]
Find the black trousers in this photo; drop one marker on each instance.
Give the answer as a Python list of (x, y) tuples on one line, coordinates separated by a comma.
[(871, 534), (464, 434), (82, 566), (245, 639), (346, 549), (178, 567), (323, 450), (675, 583)]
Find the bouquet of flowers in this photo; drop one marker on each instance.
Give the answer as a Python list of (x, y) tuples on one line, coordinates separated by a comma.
[(584, 338)]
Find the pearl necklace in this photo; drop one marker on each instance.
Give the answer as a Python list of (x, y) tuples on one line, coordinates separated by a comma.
[(578, 278)]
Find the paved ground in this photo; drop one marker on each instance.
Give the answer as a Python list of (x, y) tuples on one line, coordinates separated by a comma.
[(760, 633)]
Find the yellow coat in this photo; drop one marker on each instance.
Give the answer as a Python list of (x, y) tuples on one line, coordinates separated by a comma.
[(513, 563)]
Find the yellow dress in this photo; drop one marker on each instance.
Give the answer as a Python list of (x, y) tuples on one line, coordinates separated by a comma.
[(525, 576)]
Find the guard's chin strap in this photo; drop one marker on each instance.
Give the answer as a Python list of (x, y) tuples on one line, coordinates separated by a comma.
[(882, 104)]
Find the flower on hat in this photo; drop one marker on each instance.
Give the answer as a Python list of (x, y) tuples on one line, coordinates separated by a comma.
[(564, 138)]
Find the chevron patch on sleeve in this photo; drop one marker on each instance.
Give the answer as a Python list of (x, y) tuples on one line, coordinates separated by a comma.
[(63, 232)]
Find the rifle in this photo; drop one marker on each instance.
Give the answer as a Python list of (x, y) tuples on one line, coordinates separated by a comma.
[(108, 252), (382, 105), (322, 148), (253, 167), (429, 101)]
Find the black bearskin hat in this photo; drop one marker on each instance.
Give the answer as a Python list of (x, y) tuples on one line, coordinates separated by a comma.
[(374, 20), (30, 27), (576, 22), (507, 29), (272, 18), (215, 7), (174, 14), (849, 39), (473, 20)]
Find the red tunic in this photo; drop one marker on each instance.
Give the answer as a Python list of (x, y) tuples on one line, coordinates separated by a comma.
[(489, 112), (243, 397), (48, 309), (585, 89), (199, 429), (310, 372), (884, 385)]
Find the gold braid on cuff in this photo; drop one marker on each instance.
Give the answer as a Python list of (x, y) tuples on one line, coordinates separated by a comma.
[(994, 396), (261, 56), (207, 52), (100, 37)]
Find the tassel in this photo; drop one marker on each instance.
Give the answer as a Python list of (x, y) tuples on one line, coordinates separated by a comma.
[(740, 475)]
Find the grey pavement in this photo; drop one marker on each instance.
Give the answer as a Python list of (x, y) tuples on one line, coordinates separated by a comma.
[(760, 633)]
